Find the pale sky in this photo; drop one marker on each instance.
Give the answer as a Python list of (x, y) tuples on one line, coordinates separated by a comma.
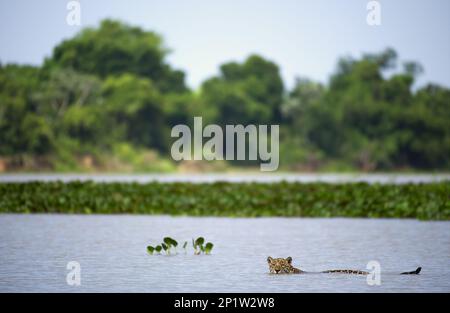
[(305, 38)]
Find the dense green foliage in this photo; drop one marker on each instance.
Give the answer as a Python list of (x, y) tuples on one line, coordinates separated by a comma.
[(107, 100), (116, 49), (422, 201), (373, 122)]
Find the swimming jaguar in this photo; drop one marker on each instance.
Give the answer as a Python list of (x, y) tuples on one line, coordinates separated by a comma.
[(284, 266)]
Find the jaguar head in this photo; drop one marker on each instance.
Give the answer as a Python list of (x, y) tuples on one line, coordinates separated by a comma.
[(280, 265)]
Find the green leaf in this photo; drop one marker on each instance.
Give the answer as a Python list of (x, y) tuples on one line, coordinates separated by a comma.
[(158, 248), (167, 241), (164, 246), (150, 249), (199, 241), (208, 247)]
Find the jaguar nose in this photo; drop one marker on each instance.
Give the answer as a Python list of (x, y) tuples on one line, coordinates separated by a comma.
[(277, 271)]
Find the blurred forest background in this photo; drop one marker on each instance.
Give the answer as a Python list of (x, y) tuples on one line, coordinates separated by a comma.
[(106, 100)]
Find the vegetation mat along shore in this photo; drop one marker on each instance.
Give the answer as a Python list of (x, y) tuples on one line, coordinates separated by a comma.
[(422, 201)]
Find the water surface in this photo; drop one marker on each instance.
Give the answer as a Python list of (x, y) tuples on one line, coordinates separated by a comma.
[(382, 178), (111, 249)]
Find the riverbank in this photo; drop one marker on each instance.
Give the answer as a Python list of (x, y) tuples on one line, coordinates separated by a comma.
[(289, 199)]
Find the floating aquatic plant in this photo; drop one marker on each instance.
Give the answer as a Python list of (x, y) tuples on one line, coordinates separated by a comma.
[(151, 249), (169, 243), (165, 248), (208, 247), (423, 201), (199, 247)]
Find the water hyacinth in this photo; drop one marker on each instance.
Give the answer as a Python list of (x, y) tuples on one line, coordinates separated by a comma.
[(169, 243), (422, 201), (199, 246)]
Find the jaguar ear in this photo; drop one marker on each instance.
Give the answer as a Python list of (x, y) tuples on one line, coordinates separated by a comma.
[(269, 259), (289, 259)]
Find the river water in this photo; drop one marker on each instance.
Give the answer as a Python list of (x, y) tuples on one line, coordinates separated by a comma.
[(382, 178), (111, 251)]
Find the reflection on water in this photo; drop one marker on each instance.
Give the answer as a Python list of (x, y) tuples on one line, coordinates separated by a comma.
[(34, 251)]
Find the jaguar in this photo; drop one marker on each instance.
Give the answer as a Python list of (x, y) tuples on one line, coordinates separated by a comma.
[(284, 266)]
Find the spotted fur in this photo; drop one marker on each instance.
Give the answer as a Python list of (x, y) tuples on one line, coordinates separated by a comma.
[(355, 272), (282, 266)]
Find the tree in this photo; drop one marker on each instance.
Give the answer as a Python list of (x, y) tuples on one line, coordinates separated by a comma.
[(62, 88), (22, 130), (422, 129), (135, 106), (247, 93), (116, 48), (373, 122)]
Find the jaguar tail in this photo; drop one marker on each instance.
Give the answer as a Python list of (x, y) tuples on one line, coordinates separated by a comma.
[(417, 271)]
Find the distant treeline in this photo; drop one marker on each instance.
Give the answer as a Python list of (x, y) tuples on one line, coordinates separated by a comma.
[(107, 99), (421, 201)]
